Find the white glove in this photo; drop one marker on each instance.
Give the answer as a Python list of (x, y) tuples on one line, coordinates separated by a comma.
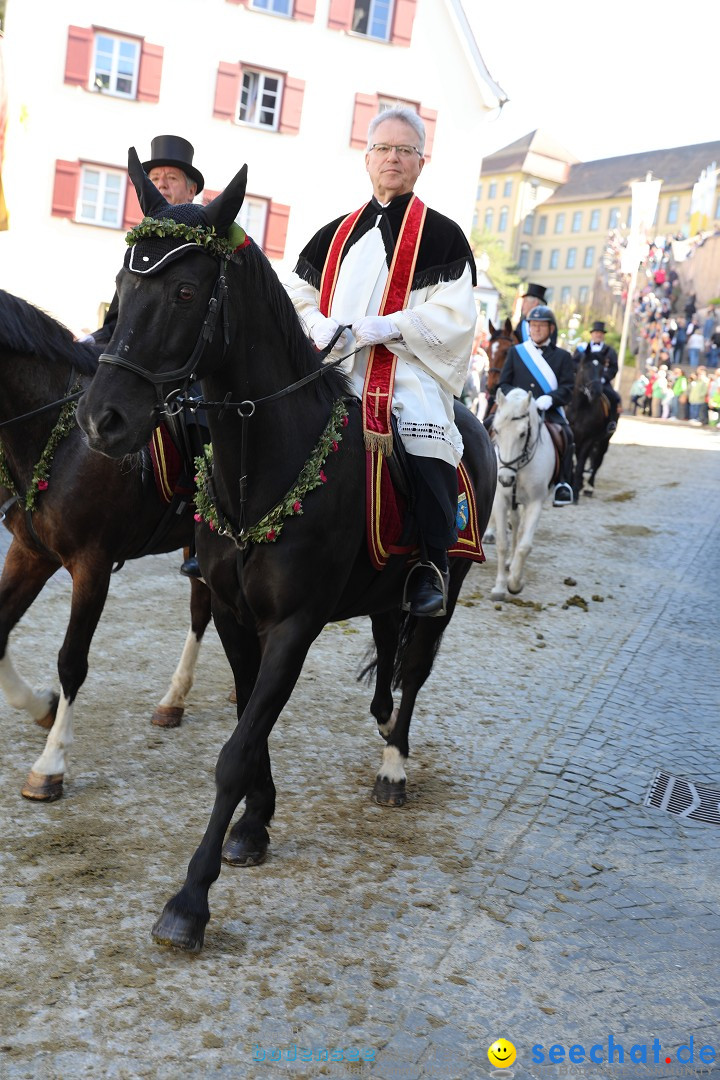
[(323, 330), (374, 330), (86, 339), (544, 402)]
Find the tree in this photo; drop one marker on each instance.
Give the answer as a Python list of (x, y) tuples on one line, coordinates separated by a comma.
[(502, 271)]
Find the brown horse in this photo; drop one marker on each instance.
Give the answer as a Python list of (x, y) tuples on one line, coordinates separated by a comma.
[(67, 506), (501, 341)]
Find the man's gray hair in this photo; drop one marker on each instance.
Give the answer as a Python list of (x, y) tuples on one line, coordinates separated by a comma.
[(399, 112)]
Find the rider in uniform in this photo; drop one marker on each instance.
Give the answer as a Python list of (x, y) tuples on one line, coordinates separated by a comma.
[(547, 371), (607, 360)]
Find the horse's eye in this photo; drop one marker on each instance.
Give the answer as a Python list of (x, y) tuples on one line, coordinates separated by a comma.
[(186, 292)]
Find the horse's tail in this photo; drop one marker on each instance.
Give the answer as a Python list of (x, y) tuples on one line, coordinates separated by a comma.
[(406, 632)]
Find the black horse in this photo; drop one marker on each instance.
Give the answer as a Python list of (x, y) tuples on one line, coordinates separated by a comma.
[(288, 454), (588, 414), (67, 506)]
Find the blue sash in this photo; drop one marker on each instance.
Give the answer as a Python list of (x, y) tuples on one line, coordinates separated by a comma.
[(531, 364)]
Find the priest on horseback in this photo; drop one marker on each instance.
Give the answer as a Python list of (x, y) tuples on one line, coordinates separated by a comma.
[(399, 276), (607, 360), (547, 371)]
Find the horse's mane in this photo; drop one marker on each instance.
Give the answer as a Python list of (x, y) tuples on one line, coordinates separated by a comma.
[(303, 357), (27, 330)]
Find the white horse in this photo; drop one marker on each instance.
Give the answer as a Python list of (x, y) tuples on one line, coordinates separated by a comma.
[(526, 463)]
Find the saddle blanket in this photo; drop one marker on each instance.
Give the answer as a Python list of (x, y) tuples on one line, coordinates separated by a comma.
[(385, 515), (167, 466)]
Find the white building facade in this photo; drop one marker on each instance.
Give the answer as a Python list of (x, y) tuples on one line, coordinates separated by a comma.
[(286, 86)]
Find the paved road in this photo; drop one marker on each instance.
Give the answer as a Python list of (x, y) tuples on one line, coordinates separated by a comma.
[(525, 893)]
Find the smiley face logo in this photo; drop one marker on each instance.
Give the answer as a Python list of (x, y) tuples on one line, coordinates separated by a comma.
[(501, 1054)]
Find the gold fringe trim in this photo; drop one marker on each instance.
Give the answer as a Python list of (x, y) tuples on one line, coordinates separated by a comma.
[(374, 441)]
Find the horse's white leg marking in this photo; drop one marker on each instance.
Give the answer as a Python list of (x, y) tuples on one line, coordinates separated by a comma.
[(52, 760), (530, 519), (393, 766), (387, 727), (184, 675), (19, 694), (500, 525)]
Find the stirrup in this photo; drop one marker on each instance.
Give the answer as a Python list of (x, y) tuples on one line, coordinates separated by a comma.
[(439, 585), (563, 489)]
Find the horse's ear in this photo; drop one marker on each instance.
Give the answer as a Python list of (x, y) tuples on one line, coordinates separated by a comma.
[(529, 398), (492, 329), (223, 210), (508, 326), (499, 397), (150, 199)]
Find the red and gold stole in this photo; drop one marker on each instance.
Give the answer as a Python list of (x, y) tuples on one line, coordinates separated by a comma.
[(380, 375)]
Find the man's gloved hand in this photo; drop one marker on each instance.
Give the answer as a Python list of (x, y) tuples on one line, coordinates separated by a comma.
[(374, 330), (323, 330), (86, 339), (544, 402)]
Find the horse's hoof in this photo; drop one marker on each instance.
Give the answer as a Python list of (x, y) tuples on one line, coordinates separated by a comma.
[(243, 851), (389, 792), (180, 931), (514, 592), (43, 788), (167, 716), (497, 594), (48, 719)]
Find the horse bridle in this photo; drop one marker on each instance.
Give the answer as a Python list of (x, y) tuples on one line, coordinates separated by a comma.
[(527, 453)]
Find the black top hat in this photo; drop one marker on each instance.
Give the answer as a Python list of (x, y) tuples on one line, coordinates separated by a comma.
[(599, 326), (536, 290), (172, 150)]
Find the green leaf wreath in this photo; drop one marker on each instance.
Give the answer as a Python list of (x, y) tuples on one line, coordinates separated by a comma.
[(207, 238), (312, 475), (41, 474)]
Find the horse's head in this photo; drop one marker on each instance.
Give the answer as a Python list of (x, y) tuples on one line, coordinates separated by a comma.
[(514, 429), (588, 377), (501, 340), (172, 315)]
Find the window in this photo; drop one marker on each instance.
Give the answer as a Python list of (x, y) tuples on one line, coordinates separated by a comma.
[(614, 218), (576, 221), (672, 211), (589, 259), (537, 260), (278, 7), (117, 61), (260, 99), (489, 218), (102, 197), (583, 294), (507, 189), (114, 64), (559, 223), (492, 190), (373, 18), (549, 296), (542, 225), (565, 294), (524, 256), (594, 220), (502, 220), (253, 217), (554, 258), (571, 258), (529, 224), (479, 193)]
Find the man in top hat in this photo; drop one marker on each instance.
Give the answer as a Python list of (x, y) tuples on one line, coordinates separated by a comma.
[(534, 295), (607, 360), (171, 170)]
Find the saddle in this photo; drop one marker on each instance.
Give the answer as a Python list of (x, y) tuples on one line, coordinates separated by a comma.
[(390, 497), (558, 434)]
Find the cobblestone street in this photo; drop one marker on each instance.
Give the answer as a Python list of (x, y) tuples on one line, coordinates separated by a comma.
[(526, 892)]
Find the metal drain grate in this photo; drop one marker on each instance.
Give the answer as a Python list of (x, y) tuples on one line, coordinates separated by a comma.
[(684, 798)]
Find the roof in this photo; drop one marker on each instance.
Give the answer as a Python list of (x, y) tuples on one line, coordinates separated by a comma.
[(537, 153), (493, 95), (679, 168)]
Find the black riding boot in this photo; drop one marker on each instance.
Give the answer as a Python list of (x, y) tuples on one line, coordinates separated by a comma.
[(435, 511)]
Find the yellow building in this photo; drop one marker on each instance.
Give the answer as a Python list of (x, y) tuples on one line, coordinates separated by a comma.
[(561, 218)]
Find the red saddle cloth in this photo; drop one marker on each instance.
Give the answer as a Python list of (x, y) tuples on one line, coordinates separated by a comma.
[(167, 465), (385, 514)]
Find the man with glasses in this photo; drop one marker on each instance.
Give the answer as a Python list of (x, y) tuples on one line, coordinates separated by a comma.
[(401, 276)]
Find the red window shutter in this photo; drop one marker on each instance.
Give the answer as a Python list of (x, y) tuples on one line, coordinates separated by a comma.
[(403, 22), (149, 78), (132, 214), (78, 59), (227, 91), (208, 196), (292, 102), (243, 2), (366, 106), (304, 10), (341, 14), (65, 188), (276, 228), (429, 119)]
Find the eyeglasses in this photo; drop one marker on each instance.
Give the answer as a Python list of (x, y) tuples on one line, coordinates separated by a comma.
[(383, 149)]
